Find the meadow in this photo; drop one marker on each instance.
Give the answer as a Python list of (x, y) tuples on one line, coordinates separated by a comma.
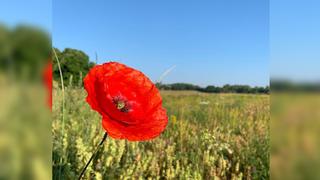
[(209, 136)]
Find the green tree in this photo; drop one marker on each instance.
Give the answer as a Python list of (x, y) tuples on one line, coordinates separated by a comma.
[(24, 51), (212, 89), (75, 64)]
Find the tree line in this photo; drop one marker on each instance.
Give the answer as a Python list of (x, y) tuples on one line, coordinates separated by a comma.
[(215, 89), (75, 64), (285, 85)]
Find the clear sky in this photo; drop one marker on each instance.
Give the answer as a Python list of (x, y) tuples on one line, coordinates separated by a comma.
[(33, 12), (295, 39), (209, 41)]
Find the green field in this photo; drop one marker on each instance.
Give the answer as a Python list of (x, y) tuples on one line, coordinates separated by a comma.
[(209, 136)]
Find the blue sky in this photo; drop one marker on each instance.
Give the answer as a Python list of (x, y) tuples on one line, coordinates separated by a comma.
[(33, 12), (209, 42), (295, 40)]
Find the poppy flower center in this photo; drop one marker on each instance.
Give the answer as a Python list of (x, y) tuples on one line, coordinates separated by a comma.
[(121, 104)]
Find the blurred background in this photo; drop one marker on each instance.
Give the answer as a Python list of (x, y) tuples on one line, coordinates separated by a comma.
[(25, 78), (295, 86)]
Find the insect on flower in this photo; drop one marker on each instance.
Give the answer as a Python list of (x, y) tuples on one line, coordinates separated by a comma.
[(129, 103)]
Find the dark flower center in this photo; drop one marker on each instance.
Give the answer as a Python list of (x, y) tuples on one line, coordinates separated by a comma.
[(121, 104)]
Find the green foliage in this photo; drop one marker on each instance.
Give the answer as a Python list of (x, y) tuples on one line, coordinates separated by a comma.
[(209, 136), (215, 89), (283, 85), (24, 50), (177, 86), (75, 65)]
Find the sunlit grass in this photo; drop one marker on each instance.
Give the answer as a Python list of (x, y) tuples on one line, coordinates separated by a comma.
[(208, 135)]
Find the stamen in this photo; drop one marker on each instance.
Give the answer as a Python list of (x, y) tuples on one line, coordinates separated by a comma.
[(121, 104)]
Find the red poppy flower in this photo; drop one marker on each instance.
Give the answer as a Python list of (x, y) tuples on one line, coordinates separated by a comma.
[(130, 104), (47, 78)]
